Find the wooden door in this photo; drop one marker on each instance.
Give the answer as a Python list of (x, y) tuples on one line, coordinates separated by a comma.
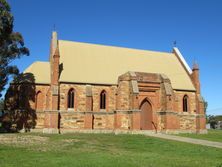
[(146, 115)]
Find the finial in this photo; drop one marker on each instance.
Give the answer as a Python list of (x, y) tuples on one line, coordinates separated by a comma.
[(195, 66), (175, 43), (54, 27)]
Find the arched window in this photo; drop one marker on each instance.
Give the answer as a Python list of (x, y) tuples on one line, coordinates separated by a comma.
[(71, 98), (39, 101), (103, 100), (185, 103)]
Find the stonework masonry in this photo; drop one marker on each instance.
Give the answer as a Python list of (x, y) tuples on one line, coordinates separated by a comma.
[(121, 112)]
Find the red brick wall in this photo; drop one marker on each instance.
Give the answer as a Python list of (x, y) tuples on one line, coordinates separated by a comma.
[(41, 100), (123, 96)]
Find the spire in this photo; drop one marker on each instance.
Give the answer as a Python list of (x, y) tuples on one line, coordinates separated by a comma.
[(54, 59), (54, 41)]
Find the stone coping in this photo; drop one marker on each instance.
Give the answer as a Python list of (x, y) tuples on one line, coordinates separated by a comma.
[(179, 113), (90, 112), (168, 112), (87, 112), (127, 111)]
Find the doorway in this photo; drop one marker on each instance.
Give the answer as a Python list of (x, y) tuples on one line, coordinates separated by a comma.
[(146, 115)]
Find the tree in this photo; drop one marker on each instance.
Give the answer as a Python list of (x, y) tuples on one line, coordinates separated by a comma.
[(211, 119), (11, 45), (19, 99), (205, 106), (1, 105)]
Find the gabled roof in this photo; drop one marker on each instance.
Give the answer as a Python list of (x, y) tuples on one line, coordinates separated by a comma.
[(99, 64), (41, 72)]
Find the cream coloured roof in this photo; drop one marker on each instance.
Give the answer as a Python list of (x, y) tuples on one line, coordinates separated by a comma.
[(41, 72), (98, 64)]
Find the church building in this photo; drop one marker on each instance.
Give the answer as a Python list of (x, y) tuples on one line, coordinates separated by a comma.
[(91, 87)]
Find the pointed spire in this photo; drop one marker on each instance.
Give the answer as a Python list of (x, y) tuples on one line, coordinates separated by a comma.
[(54, 42), (54, 35)]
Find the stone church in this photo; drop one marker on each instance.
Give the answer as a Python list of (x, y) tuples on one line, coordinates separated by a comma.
[(90, 87)]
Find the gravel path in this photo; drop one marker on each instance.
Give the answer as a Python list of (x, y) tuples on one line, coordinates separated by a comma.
[(187, 140)]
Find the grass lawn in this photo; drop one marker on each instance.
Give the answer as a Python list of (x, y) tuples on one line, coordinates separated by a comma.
[(213, 135), (98, 150)]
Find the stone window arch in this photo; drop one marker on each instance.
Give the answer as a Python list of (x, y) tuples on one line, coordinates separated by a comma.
[(103, 99), (185, 103), (71, 98)]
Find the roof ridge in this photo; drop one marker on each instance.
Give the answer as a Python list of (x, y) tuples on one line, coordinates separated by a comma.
[(119, 47)]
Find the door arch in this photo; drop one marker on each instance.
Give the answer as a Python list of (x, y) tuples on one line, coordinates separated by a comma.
[(146, 115)]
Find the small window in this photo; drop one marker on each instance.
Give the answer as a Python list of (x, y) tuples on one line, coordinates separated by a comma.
[(185, 103), (71, 98), (103, 100)]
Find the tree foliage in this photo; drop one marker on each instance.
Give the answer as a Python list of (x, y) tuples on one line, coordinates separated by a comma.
[(19, 101), (11, 45), (205, 106), (1, 105), (214, 120), (211, 119)]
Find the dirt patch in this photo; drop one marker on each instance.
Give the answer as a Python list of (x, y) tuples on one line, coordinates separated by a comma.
[(70, 140), (15, 139)]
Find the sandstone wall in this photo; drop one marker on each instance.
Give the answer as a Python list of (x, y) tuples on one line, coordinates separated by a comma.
[(40, 117), (110, 98), (120, 109), (178, 104), (187, 121), (77, 120), (103, 121), (72, 120), (80, 96)]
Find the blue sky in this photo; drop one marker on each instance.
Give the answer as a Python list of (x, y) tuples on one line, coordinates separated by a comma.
[(196, 25)]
